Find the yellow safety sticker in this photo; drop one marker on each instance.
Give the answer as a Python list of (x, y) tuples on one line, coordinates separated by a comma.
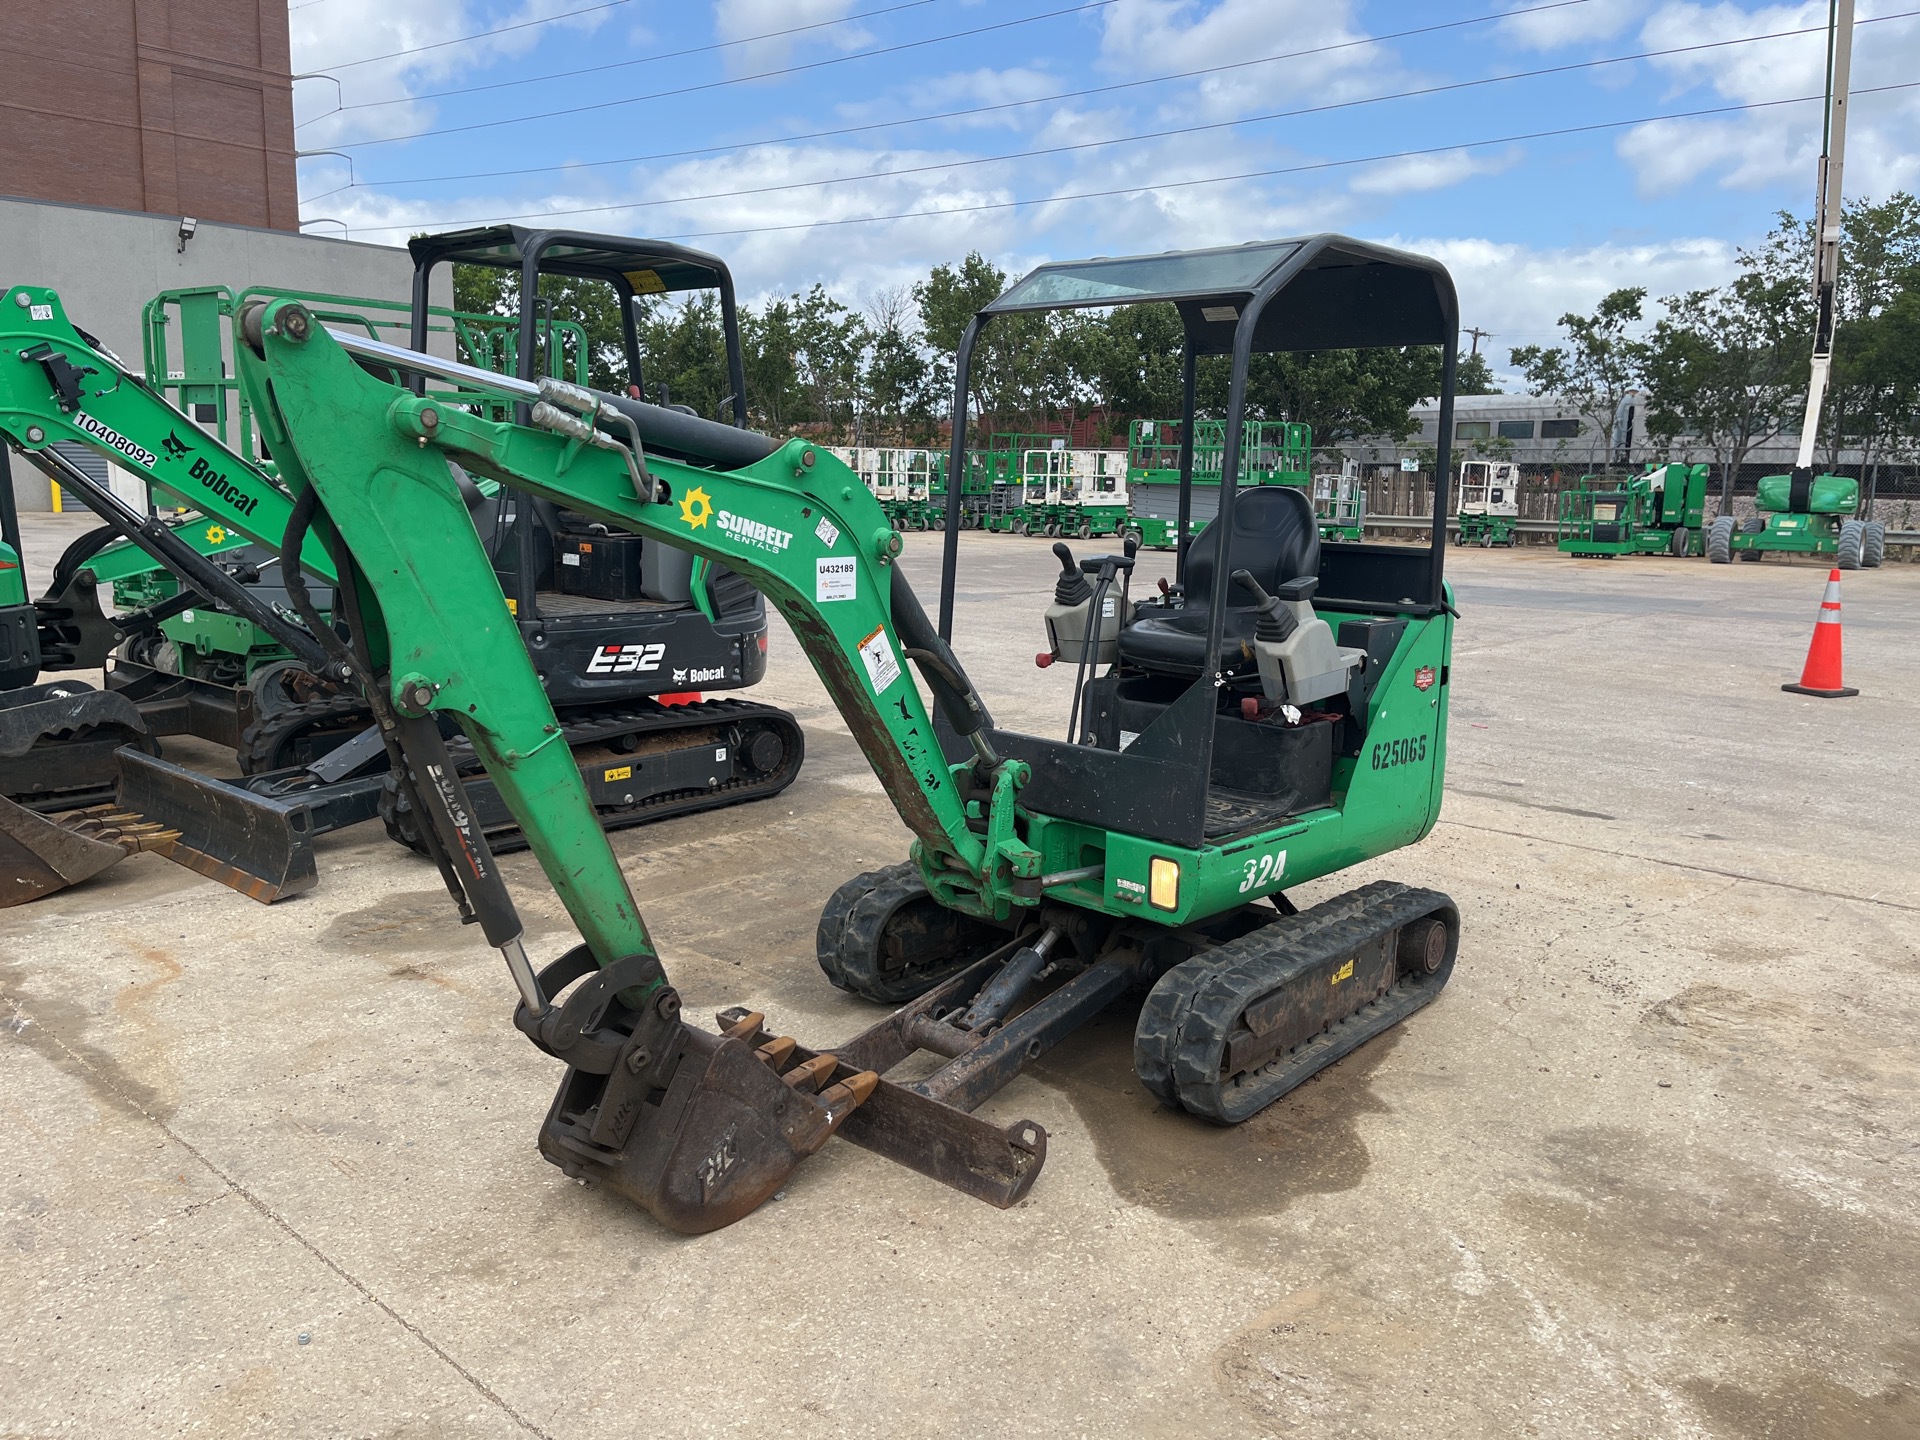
[(625, 772), (647, 282), (1345, 972)]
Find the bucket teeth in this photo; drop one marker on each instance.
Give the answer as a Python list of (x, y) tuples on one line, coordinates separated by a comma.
[(777, 1051), (841, 1100), (740, 1024), (810, 1075)]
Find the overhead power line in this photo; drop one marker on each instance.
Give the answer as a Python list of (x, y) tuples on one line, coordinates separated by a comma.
[(1080, 9), (657, 58), (1281, 170), (477, 35), (972, 110), (944, 166), (1155, 185)]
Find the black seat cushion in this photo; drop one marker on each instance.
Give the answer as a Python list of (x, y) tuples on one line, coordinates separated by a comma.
[(1275, 538)]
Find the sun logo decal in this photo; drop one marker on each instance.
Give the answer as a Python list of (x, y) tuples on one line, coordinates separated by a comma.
[(216, 534), (696, 508)]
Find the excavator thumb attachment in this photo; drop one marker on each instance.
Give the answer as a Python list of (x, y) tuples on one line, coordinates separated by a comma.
[(699, 1129), (40, 855)]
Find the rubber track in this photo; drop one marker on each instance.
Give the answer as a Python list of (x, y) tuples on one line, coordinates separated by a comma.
[(1157, 1032), (852, 933), (580, 729), (1184, 1028), (260, 742)]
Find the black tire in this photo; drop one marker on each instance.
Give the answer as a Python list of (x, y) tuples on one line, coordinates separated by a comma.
[(1873, 549), (1019, 527), (1753, 525), (1085, 532), (1052, 531), (1853, 538), (1720, 541), (1677, 542), (939, 522)]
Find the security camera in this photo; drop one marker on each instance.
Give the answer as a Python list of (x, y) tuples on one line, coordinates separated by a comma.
[(187, 226)]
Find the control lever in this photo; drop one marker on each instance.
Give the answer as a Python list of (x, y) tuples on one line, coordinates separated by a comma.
[(1276, 622), (1070, 587)]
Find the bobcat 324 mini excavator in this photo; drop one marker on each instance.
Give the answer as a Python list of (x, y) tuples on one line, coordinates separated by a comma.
[(1279, 716)]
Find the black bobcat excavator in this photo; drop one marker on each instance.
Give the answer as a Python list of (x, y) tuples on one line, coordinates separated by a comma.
[(615, 621)]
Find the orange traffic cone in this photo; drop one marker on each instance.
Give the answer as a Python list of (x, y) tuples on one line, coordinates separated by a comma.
[(1822, 673)]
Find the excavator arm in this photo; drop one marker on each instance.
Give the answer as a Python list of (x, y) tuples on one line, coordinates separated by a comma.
[(697, 1128), (797, 524), (57, 384)]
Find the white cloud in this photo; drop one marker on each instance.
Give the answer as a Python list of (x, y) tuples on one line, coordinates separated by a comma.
[(1429, 172), (963, 90), (328, 36), (1772, 146), (1155, 37), (745, 19), (1520, 292), (1552, 29)]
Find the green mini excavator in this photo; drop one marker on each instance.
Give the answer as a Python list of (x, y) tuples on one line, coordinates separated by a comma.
[(1276, 716)]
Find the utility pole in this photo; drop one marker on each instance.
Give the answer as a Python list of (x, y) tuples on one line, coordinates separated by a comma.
[(1826, 237), (1478, 335)]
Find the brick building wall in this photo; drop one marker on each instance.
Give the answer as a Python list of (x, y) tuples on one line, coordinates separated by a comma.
[(174, 107)]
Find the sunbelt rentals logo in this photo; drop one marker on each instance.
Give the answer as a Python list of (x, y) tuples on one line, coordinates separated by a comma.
[(753, 532)]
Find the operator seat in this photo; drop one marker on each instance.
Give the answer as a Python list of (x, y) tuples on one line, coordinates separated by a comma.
[(1275, 537)]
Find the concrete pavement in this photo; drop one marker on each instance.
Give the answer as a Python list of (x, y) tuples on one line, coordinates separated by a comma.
[(1647, 1168)]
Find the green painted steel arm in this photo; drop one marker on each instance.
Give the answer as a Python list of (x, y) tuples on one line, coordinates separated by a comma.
[(798, 525), (113, 411)]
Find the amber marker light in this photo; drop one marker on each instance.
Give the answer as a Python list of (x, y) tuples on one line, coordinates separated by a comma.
[(1163, 883)]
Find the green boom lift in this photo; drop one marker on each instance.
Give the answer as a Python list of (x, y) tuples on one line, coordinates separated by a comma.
[(1802, 513), (1276, 717)]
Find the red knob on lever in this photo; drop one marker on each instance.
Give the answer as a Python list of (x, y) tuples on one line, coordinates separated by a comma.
[(1043, 659)]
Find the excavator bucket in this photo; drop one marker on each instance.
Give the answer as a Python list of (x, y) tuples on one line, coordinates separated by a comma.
[(39, 855), (698, 1129)]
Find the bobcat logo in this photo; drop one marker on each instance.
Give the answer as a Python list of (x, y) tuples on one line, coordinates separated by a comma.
[(174, 445)]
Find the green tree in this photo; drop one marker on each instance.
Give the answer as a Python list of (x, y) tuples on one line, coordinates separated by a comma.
[(1597, 367), (897, 401), (1473, 376)]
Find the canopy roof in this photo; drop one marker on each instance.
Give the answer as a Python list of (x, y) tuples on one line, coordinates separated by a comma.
[(1314, 292), (651, 267)]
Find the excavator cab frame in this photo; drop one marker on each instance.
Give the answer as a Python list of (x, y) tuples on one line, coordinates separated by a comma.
[(1312, 293)]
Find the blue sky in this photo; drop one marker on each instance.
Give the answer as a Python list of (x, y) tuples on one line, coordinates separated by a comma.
[(1531, 227)]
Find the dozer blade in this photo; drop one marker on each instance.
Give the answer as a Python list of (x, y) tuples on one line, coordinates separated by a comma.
[(39, 855), (259, 846)]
